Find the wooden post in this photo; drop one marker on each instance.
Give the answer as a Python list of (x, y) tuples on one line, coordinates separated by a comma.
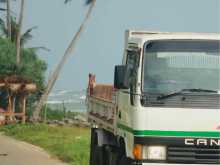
[(23, 110), (9, 103), (13, 108), (64, 110), (10, 107), (45, 113)]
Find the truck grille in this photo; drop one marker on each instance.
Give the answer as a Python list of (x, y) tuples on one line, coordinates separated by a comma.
[(193, 155), (184, 101)]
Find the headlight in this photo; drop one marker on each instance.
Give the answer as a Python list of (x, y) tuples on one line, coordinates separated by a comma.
[(154, 152), (150, 152)]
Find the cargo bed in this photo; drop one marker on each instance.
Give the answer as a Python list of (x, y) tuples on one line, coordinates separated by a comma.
[(101, 103)]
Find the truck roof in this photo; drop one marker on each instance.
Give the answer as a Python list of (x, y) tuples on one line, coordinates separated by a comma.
[(147, 35)]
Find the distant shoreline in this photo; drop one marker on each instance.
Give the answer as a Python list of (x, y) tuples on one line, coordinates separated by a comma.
[(73, 101)]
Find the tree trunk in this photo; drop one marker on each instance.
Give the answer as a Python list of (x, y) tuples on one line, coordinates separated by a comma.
[(8, 19), (18, 37), (56, 72)]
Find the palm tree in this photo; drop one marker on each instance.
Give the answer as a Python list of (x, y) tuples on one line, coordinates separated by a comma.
[(18, 39), (68, 52), (25, 37), (8, 17), (18, 27)]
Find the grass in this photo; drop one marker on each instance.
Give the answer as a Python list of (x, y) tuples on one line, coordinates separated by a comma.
[(70, 144)]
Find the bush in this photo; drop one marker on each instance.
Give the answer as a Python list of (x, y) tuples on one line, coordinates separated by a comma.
[(57, 114)]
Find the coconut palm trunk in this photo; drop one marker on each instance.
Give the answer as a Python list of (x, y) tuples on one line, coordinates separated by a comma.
[(18, 37), (57, 70), (8, 19)]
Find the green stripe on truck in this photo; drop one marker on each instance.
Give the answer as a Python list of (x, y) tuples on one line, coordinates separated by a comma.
[(169, 133)]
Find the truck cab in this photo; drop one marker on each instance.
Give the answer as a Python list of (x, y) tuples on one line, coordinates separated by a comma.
[(167, 99)]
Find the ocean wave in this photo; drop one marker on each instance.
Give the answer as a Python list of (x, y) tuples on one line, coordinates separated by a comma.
[(54, 102), (83, 97), (60, 93), (68, 101), (66, 96)]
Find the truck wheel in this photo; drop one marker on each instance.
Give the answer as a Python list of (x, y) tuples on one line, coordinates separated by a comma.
[(125, 161), (122, 159), (111, 155), (99, 153), (96, 153), (114, 156)]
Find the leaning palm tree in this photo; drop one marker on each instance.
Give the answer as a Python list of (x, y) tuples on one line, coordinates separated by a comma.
[(68, 52)]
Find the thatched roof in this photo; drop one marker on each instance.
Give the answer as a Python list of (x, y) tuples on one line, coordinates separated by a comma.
[(14, 79), (17, 84)]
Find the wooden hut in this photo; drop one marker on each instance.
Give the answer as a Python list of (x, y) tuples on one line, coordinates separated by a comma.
[(17, 89)]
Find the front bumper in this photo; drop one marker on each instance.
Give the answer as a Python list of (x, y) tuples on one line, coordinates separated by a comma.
[(169, 164), (178, 153)]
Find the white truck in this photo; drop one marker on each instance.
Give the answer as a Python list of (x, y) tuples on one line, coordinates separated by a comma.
[(164, 106)]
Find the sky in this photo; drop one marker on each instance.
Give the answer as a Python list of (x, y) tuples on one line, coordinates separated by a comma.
[(101, 46)]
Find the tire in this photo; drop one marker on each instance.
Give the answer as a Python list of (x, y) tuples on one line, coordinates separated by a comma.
[(96, 152), (122, 159), (92, 148), (111, 155), (99, 153), (125, 161), (115, 156), (107, 155)]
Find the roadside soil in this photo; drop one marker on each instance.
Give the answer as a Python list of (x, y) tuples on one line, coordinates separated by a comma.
[(14, 152)]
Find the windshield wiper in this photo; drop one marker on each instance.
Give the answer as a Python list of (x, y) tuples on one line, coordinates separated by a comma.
[(200, 90), (185, 90)]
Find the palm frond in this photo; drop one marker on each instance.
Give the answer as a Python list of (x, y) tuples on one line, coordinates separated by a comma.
[(88, 2), (3, 9), (27, 36), (39, 48), (2, 23), (3, 29), (4, 1), (66, 1), (14, 29)]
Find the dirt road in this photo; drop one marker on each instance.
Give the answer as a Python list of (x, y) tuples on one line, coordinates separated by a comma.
[(13, 152)]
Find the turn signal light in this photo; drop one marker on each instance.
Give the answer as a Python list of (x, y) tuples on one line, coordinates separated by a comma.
[(137, 151)]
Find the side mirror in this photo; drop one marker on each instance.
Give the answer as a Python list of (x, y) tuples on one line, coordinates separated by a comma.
[(122, 77)]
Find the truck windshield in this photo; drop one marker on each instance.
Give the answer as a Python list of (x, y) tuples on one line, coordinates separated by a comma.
[(173, 65)]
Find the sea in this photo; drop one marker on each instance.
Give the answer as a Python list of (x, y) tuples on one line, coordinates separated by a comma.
[(73, 101)]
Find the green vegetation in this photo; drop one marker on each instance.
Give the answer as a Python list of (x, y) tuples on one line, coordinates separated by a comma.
[(31, 66), (70, 144), (57, 114)]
